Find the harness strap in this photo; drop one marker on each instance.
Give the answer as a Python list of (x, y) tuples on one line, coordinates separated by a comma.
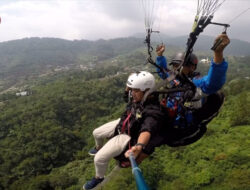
[(125, 124)]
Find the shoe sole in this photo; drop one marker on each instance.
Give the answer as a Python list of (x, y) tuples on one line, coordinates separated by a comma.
[(91, 154), (92, 188), (95, 188), (106, 179)]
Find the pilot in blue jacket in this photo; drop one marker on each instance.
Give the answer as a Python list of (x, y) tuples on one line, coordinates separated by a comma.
[(205, 103)]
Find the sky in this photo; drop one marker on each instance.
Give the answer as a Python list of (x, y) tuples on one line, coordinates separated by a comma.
[(108, 19)]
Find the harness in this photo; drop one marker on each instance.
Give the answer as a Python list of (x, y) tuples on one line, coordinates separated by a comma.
[(181, 100), (126, 124)]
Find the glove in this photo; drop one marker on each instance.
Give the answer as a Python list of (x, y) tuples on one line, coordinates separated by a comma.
[(222, 40)]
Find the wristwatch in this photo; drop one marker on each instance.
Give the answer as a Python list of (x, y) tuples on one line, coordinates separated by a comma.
[(140, 144)]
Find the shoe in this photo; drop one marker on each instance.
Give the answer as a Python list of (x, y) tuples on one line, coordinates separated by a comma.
[(93, 151), (92, 183)]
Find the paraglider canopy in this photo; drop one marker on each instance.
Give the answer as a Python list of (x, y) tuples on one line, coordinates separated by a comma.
[(204, 15), (151, 11)]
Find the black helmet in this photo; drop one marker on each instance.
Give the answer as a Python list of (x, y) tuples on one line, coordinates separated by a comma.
[(179, 58)]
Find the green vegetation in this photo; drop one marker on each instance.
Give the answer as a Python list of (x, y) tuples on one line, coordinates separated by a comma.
[(49, 128), (27, 59), (45, 137), (220, 160)]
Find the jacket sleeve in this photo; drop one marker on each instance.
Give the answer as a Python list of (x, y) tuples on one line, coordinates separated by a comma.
[(162, 62), (214, 80), (151, 125)]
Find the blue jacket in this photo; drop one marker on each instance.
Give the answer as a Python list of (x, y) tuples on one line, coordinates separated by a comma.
[(210, 83), (162, 62)]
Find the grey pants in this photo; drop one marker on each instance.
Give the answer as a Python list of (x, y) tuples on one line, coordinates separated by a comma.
[(114, 147)]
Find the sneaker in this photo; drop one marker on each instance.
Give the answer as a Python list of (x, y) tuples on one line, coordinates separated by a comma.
[(92, 183), (93, 151)]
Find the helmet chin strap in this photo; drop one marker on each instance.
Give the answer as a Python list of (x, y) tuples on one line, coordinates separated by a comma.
[(146, 94)]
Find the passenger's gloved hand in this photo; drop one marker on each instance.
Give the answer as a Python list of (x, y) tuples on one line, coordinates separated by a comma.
[(160, 49), (224, 41)]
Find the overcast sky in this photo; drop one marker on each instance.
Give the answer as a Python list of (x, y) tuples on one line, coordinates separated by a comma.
[(106, 19)]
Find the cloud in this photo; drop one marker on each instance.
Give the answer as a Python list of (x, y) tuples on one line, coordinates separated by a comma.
[(94, 19), (66, 19)]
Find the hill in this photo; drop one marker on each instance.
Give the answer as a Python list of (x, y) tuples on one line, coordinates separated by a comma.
[(26, 59), (45, 137), (204, 43)]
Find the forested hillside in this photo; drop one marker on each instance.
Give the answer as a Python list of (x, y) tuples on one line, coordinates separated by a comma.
[(45, 137), (50, 128), (220, 160), (28, 59)]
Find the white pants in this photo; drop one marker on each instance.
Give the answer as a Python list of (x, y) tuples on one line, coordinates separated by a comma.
[(114, 147), (103, 132)]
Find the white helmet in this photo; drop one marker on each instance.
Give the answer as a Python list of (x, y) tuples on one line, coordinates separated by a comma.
[(142, 80)]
